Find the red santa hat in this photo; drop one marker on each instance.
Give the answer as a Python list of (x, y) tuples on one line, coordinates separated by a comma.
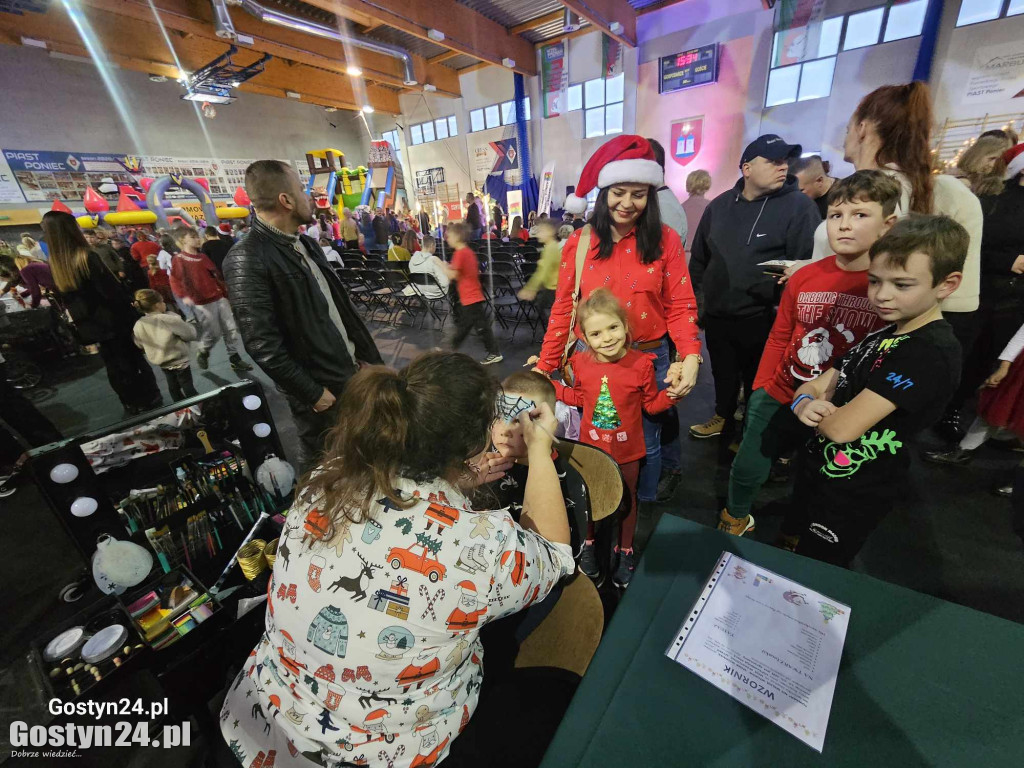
[(224, 228), (467, 586), (623, 160), (1014, 159)]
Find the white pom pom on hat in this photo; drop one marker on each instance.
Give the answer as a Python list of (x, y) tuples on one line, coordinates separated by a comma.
[(1014, 159), (623, 160)]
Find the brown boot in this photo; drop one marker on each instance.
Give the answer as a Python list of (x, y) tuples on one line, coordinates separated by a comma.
[(737, 526)]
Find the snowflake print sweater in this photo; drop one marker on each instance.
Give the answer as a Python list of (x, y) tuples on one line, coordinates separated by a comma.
[(613, 397), (657, 297), (371, 653)]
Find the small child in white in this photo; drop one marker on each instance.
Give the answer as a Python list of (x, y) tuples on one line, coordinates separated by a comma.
[(163, 337)]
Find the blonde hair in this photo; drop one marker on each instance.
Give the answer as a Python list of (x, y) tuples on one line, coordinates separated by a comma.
[(565, 231), (984, 182), (27, 240), (146, 299), (698, 182), (601, 302)]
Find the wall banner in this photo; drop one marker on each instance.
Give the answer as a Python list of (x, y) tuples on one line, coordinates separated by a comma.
[(547, 180), (687, 136), (997, 74), (494, 157), (554, 78)]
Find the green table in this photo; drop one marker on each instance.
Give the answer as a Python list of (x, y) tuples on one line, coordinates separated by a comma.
[(922, 682)]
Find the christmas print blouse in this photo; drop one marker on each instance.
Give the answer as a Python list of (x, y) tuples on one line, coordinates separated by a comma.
[(824, 311), (657, 297), (371, 654), (613, 397), (917, 372)]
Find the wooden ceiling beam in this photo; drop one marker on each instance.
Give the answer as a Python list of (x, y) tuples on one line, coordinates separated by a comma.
[(195, 17), (540, 21), (465, 30), (443, 57), (602, 13), (119, 37)]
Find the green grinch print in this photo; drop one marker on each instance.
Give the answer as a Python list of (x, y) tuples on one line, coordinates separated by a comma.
[(845, 459), (605, 414)]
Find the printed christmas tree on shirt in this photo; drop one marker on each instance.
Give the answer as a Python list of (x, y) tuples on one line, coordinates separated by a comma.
[(605, 414)]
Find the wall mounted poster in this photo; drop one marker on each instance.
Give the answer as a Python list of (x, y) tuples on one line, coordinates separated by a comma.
[(554, 78), (997, 74), (687, 136), (515, 203), (492, 157), (10, 192)]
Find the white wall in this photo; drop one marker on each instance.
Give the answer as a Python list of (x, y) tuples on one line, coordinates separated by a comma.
[(954, 60), (55, 104)]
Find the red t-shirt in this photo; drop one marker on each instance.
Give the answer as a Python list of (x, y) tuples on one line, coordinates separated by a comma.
[(158, 279), (824, 311), (143, 249), (613, 397), (464, 262), (657, 297)]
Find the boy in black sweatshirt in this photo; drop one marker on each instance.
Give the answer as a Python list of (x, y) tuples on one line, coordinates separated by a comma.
[(764, 217)]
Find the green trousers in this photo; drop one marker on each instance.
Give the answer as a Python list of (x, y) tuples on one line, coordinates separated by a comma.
[(770, 431)]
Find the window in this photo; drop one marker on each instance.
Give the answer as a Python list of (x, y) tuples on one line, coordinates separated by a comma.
[(492, 117), (862, 28), (391, 137), (574, 98), (602, 102), (905, 20), (975, 11), (803, 58), (1015, 8), (434, 130), (495, 115)]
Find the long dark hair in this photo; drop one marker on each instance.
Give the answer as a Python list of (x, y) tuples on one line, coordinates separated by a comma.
[(69, 250), (648, 227), (902, 115), (422, 422)]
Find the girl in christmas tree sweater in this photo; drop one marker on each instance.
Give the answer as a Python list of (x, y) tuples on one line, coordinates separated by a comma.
[(614, 385)]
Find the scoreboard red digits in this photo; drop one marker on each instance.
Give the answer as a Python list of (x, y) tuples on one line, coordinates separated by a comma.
[(698, 66)]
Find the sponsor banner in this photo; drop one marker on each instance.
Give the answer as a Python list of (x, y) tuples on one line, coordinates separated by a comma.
[(547, 180), (997, 74), (515, 204), (495, 157), (554, 78)]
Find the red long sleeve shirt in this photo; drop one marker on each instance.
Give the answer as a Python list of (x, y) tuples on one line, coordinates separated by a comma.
[(632, 389), (824, 312), (194, 276), (657, 297)]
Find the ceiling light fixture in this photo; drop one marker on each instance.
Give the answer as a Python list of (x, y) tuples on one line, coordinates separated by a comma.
[(330, 109), (353, 71), (293, 95), (33, 43), (436, 35), (367, 109), (428, 88), (507, 62)]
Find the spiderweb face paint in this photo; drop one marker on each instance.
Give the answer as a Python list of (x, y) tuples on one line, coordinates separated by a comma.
[(510, 406)]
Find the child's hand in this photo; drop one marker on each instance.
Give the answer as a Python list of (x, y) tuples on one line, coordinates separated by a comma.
[(1000, 373), (486, 468), (527, 294), (811, 412), (539, 427)]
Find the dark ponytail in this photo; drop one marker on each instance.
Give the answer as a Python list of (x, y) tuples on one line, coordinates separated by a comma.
[(902, 118), (421, 423)]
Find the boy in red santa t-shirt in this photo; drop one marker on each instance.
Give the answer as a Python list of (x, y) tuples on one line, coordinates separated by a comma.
[(614, 385)]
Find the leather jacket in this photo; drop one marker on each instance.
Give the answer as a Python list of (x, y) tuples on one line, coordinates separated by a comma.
[(283, 316)]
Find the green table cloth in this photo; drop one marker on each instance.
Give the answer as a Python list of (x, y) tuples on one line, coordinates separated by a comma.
[(922, 682)]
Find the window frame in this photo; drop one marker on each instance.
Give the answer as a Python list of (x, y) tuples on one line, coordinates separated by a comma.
[(1003, 13), (603, 106), (481, 114)]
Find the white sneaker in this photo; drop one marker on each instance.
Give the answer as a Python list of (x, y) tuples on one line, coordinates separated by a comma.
[(491, 360)]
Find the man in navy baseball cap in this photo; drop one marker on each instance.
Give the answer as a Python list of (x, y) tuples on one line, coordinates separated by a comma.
[(770, 147)]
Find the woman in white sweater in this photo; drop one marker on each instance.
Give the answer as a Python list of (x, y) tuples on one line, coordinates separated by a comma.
[(891, 131)]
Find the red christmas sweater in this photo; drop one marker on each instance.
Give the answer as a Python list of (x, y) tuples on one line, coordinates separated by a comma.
[(824, 311), (613, 397), (193, 276), (657, 297)]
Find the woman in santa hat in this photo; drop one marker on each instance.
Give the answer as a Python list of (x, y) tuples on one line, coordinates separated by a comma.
[(627, 249)]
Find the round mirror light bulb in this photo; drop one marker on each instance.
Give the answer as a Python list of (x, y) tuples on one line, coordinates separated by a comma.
[(261, 430), (64, 473), (251, 402), (84, 506)]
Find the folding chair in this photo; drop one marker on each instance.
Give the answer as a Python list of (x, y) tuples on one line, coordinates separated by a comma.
[(506, 269), (355, 286), (379, 293), (353, 263), (397, 281), (438, 306), (503, 301)]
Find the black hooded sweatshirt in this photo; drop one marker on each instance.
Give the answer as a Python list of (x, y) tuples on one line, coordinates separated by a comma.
[(736, 234)]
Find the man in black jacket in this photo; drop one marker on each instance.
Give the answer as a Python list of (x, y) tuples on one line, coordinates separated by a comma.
[(764, 217), (295, 317)]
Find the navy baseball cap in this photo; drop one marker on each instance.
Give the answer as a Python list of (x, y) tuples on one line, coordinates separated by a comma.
[(770, 147)]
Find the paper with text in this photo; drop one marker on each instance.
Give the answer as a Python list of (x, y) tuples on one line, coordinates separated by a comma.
[(770, 643)]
